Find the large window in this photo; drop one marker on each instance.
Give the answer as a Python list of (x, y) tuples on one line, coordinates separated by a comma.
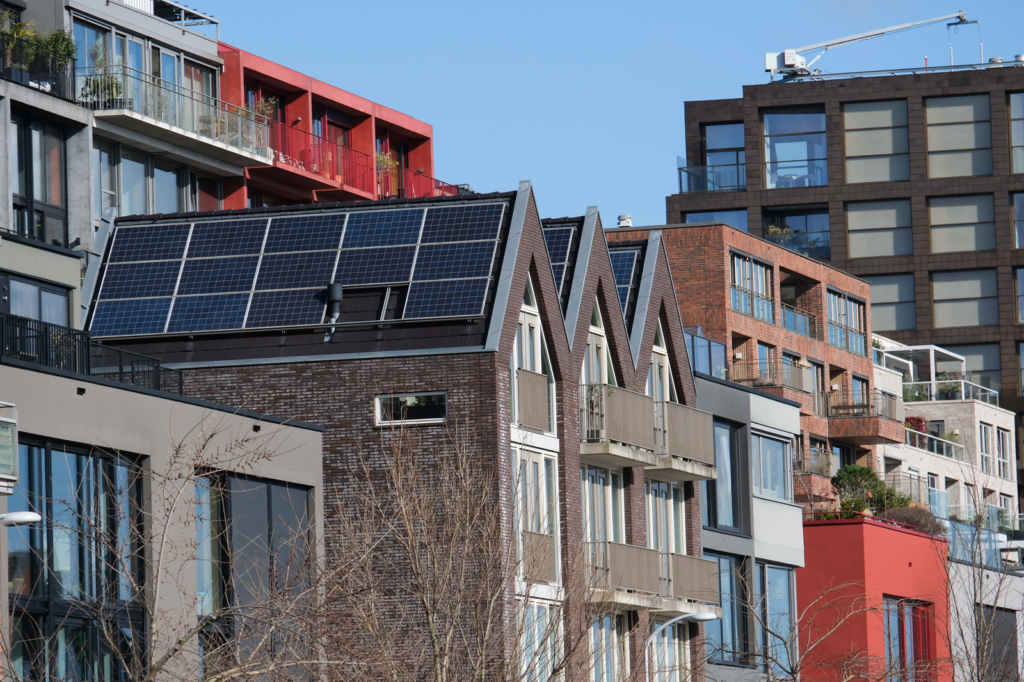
[(959, 136), (34, 300), (666, 517), (1017, 131), (998, 635), (805, 232), (879, 228), (982, 362), (540, 628), (532, 381), (906, 636), (609, 649), (752, 292), (37, 180), (601, 504), (669, 652), (535, 517), (73, 578), (727, 638), (737, 219), (412, 408), (962, 223), (794, 148), (877, 147), (776, 615), (846, 323), (725, 156), (772, 474), (892, 302), (722, 507), (965, 298)]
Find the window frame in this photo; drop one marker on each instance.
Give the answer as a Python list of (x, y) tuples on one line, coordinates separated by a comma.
[(41, 285), (771, 218), (846, 157), (764, 616), (987, 456), (535, 500), (675, 638), (757, 464), (530, 352), (612, 499), (765, 136), (929, 126), (25, 207), (1004, 459), (753, 279), (738, 576), (709, 507), (379, 415), (841, 307)]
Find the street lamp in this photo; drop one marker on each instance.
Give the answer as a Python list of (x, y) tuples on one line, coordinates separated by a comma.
[(698, 617), (23, 518)]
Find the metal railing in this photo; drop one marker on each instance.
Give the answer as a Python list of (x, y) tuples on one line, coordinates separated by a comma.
[(757, 373), (707, 356), (816, 461), (37, 67), (314, 154), (820, 402), (799, 321), (724, 178), (797, 377), (847, 338), (916, 391), (534, 400), (747, 302), (409, 184), (871, 404), (125, 367), (103, 88), (913, 486), (617, 566), (935, 445), (694, 578), (684, 432), (609, 414), (538, 557), (45, 344)]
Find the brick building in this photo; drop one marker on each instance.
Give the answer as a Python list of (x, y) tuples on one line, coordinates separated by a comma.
[(482, 331), (909, 180), (792, 326)]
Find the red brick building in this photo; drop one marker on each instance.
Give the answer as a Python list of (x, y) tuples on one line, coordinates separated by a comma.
[(791, 326)]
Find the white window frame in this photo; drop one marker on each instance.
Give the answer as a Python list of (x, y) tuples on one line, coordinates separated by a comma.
[(675, 637), (550, 638), (755, 460), (379, 418), (615, 515), (985, 447), (675, 531), (597, 354), (529, 352), (619, 647), (535, 500), (1003, 468)]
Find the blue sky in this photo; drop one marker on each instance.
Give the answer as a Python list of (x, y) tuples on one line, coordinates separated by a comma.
[(583, 98)]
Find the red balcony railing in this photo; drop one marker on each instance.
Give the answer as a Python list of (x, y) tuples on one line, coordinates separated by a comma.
[(408, 184), (314, 154)]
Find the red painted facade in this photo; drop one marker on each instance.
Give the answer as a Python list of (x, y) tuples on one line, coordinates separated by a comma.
[(325, 141), (856, 565)]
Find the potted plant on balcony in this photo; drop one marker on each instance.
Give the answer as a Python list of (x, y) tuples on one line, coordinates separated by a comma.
[(102, 86), (948, 388)]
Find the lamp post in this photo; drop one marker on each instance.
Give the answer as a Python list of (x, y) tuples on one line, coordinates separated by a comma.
[(698, 617), (22, 518)]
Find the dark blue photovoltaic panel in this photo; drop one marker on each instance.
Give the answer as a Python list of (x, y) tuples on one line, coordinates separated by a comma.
[(296, 270), (217, 275), (148, 242), (206, 313), (455, 297), (623, 296), (451, 261), (139, 280), (557, 240), (121, 318), (622, 267), (375, 266), (383, 228), (557, 270), (462, 223), (227, 238), (286, 308), (305, 233)]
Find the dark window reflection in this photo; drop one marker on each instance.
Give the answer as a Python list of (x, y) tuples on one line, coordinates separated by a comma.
[(413, 407)]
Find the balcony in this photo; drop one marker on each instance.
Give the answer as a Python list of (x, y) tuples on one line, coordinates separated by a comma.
[(913, 486), (799, 321), (36, 67), (694, 578), (406, 183), (70, 350), (938, 503), (707, 356), (935, 445), (752, 304), (629, 577), (956, 389), (538, 557), (817, 461), (847, 338), (534, 400), (757, 373), (168, 111), (617, 427), (725, 178), (872, 419), (340, 166), (685, 444)]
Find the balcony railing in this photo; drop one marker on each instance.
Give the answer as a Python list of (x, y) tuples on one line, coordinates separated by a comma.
[(409, 184), (935, 445), (707, 356), (816, 461), (847, 338), (820, 402), (538, 557), (534, 400), (726, 178), (37, 67), (938, 503), (916, 391), (609, 414), (915, 487), (796, 377), (871, 404), (104, 88), (617, 566), (747, 302), (694, 578), (799, 321), (70, 350), (684, 432), (756, 373), (317, 155)]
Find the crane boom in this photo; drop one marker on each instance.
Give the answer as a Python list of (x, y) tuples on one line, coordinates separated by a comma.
[(790, 62)]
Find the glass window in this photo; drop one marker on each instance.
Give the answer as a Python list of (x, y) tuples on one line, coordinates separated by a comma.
[(1018, 218), (794, 149), (37, 180), (1017, 133), (91, 45), (665, 516), (104, 177), (962, 223), (1002, 660), (859, 389), (805, 232), (602, 509), (752, 292), (737, 219), (722, 496), (1004, 450), (726, 638), (133, 183), (877, 146), (892, 302), (879, 228), (776, 636), (725, 156), (166, 189), (959, 136), (536, 513), (846, 323), (608, 642), (771, 467), (412, 408), (965, 298), (540, 641), (669, 652), (204, 193), (905, 629), (985, 447), (38, 302)]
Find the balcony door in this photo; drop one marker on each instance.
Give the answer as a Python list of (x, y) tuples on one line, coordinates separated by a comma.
[(601, 505)]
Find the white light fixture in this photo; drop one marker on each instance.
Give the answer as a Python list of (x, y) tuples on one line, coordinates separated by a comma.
[(23, 518), (738, 355), (703, 616)]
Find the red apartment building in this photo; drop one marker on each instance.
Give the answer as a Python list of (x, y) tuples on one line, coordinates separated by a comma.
[(327, 144), (792, 326), (890, 582)]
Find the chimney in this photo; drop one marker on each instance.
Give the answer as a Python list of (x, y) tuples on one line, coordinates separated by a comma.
[(625, 221)]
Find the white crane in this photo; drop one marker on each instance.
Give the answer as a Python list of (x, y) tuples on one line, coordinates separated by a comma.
[(789, 63)]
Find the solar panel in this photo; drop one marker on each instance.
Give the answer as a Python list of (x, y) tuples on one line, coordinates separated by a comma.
[(558, 239), (252, 273), (623, 264)]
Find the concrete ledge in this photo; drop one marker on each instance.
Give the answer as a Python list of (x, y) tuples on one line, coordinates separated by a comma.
[(676, 469), (616, 455)]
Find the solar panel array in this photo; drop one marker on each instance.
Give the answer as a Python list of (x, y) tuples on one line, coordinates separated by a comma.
[(259, 272), (623, 264), (558, 239)]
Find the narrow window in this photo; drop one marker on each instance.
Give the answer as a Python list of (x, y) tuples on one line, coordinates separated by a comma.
[(412, 408)]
